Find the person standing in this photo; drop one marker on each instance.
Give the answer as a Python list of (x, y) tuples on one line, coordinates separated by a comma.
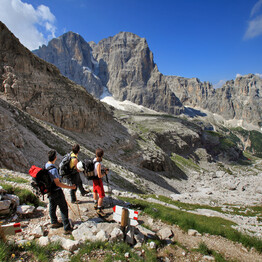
[(98, 188), (57, 197), (75, 176)]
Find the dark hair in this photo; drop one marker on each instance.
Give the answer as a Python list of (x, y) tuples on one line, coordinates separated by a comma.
[(99, 153), (51, 155), (76, 148)]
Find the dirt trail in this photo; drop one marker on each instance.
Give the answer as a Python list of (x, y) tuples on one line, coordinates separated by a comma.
[(228, 249), (180, 252)]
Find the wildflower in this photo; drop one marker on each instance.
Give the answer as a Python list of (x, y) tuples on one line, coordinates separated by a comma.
[(13, 255)]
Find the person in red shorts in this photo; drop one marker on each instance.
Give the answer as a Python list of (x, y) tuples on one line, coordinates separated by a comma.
[(98, 188)]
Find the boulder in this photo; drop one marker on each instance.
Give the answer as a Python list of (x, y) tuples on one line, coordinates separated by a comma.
[(25, 210), (117, 235), (5, 204), (70, 245), (38, 231), (13, 198), (43, 241), (165, 233)]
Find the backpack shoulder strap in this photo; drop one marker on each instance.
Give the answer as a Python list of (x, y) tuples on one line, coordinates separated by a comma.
[(50, 167)]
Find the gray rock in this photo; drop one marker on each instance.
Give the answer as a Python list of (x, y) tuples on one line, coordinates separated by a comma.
[(70, 245), (43, 241), (208, 258), (85, 231), (38, 231), (193, 232), (165, 233), (140, 238), (148, 233), (258, 190), (13, 198), (102, 236), (116, 235), (25, 210), (152, 245), (5, 204)]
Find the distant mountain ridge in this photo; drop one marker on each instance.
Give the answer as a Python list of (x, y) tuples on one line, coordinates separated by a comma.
[(124, 65)]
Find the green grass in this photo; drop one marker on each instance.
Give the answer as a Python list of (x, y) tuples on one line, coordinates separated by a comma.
[(25, 195), (203, 224), (112, 252), (30, 251), (184, 163), (223, 168), (255, 138), (13, 179), (203, 249), (256, 142)]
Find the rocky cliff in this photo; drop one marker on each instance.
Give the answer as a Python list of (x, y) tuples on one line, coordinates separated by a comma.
[(237, 99), (73, 56), (38, 88), (124, 64)]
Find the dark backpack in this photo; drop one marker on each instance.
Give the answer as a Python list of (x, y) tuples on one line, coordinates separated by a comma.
[(64, 167), (89, 169), (41, 180)]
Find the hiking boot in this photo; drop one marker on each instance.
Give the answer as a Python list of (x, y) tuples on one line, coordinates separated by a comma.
[(100, 212), (57, 225), (76, 202), (68, 231), (95, 206), (85, 193)]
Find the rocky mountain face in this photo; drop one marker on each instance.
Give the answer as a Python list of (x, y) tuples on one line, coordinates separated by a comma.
[(73, 56), (124, 64), (39, 89), (237, 99)]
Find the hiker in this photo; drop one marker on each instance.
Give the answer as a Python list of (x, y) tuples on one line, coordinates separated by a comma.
[(57, 197), (98, 188), (74, 177)]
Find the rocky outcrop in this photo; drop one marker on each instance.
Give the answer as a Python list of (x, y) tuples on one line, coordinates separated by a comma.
[(73, 56), (11, 142), (127, 68), (124, 64), (39, 89), (237, 99)]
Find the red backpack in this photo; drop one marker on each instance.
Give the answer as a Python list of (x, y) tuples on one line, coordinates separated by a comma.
[(41, 180)]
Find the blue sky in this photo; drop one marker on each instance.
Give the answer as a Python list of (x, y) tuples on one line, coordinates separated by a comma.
[(213, 40)]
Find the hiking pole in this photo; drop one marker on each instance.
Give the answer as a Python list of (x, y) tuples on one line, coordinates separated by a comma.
[(78, 210), (71, 208), (110, 197)]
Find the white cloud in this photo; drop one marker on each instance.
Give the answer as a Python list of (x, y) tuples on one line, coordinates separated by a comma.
[(33, 27), (260, 75), (254, 28), (255, 24), (256, 8), (219, 84)]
